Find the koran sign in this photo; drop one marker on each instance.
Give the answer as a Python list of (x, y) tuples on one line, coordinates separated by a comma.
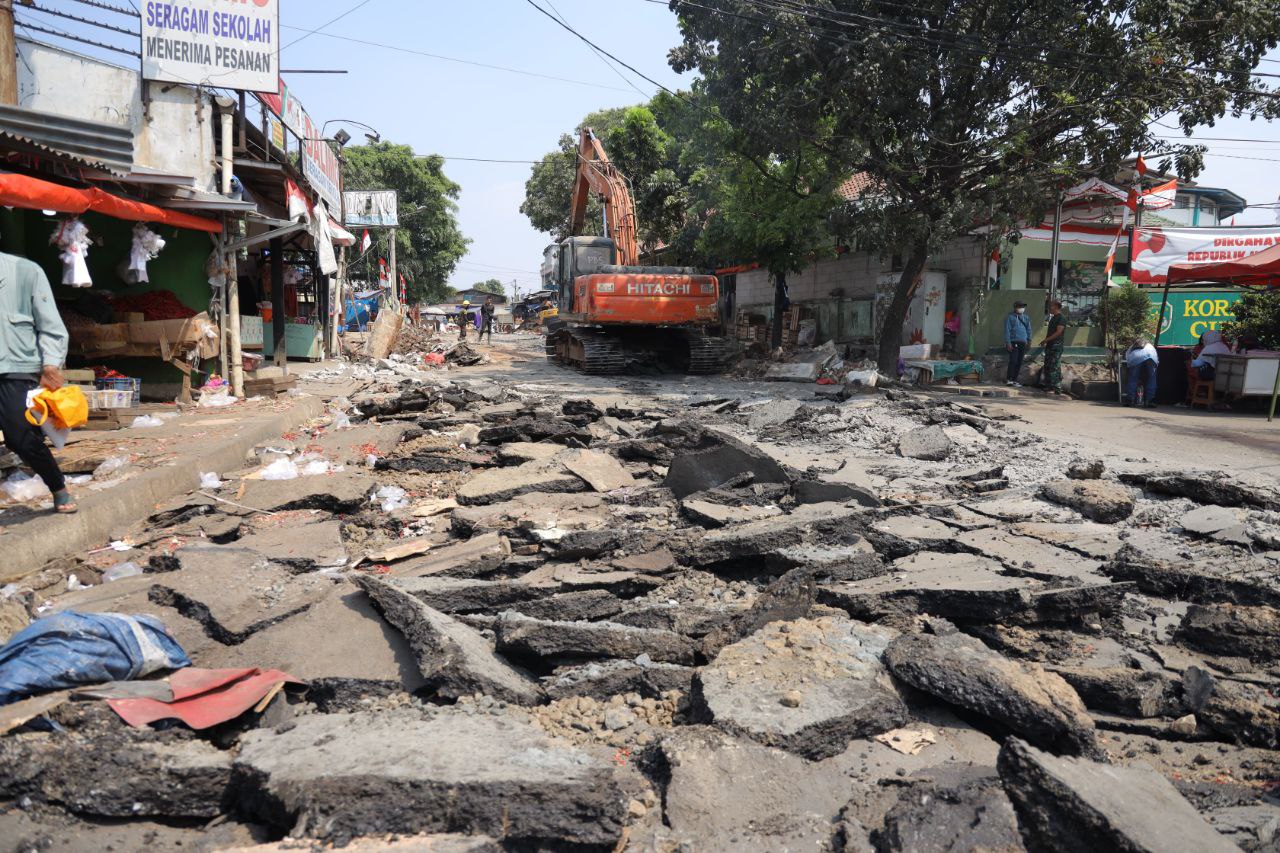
[(371, 208), (232, 44), (1155, 249)]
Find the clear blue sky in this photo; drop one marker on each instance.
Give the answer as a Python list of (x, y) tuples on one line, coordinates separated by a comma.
[(460, 110)]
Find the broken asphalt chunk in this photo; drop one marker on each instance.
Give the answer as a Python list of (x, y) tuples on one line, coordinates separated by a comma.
[(496, 485), (338, 776), (808, 686), (551, 642), (701, 470), (1103, 501), (959, 669), (931, 444), (455, 659), (1207, 487), (604, 679), (1072, 804), (950, 808)]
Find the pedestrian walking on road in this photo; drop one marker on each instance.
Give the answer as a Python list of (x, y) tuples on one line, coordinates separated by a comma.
[(486, 319), (1017, 337), (1051, 375), (33, 345), (464, 319), (1141, 362)]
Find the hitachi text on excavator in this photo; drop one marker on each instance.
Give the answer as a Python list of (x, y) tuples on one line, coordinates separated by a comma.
[(614, 314)]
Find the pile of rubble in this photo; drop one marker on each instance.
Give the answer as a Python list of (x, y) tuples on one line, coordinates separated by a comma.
[(618, 624)]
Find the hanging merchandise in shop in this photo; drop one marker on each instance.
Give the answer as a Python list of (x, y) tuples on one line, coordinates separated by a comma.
[(146, 246), (72, 238), (212, 42)]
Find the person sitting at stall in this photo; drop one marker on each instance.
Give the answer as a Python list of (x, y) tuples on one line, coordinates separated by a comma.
[(1142, 362), (1206, 353)]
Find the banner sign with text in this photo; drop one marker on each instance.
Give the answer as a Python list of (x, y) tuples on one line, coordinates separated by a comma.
[(1189, 314), (1157, 248), (319, 162), (231, 45), (371, 208)]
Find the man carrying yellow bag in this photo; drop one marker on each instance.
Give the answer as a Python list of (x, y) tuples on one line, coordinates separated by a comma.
[(33, 346)]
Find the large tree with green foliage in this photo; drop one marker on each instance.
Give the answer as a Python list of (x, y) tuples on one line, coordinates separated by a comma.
[(429, 242), (970, 114), (490, 285)]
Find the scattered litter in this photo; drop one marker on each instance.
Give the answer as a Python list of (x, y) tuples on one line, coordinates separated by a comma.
[(317, 467), (120, 571), (146, 422), (281, 469), (120, 545), (217, 401), (340, 420), (73, 584), (70, 648), (392, 498), (80, 480), (110, 466), (908, 741), (206, 697), (22, 487), (210, 480)]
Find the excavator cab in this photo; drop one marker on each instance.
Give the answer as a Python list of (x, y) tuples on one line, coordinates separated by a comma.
[(579, 256)]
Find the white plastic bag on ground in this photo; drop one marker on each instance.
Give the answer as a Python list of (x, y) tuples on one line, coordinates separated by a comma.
[(862, 377), (121, 571), (340, 420), (21, 488), (316, 467), (281, 469), (392, 498), (145, 421), (216, 401), (110, 466), (209, 480)]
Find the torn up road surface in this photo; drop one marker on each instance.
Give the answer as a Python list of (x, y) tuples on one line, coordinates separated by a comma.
[(534, 610)]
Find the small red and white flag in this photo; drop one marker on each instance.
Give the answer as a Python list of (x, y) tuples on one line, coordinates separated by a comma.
[(382, 269), (1141, 165), (365, 242), (1158, 198)]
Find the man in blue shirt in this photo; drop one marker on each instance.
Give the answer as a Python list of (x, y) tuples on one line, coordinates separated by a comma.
[(1017, 335), (1142, 361)]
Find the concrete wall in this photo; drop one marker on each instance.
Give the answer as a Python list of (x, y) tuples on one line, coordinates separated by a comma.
[(175, 135)]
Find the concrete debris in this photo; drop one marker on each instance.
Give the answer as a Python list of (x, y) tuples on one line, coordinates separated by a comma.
[(713, 467), (953, 807), (718, 515), (338, 776), (601, 471), (1068, 804), (1024, 697), (1227, 629), (1209, 487), (930, 443), (543, 641), (834, 665), (1097, 500), (503, 484), (1086, 469), (454, 658)]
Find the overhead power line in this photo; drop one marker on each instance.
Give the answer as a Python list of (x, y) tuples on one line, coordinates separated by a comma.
[(79, 20), (459, 61), (309, 33), (119, 10)]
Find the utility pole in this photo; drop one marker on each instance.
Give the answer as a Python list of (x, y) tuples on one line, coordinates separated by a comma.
[(391, 259), (8, 55)]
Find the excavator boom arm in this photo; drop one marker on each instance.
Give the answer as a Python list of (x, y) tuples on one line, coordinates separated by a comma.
[(597, 174)]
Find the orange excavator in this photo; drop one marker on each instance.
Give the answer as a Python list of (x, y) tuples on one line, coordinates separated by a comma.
[(613, 313)]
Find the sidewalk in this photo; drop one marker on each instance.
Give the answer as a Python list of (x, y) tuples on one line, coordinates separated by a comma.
[(164, 461)]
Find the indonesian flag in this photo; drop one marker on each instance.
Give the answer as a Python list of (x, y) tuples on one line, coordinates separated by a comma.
[(1141, 166), (382, 269), (1158, 198), (365, 242)]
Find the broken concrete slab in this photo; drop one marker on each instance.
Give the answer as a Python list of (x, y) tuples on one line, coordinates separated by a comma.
[(1167, 572), (724, 793), (772, 413), (961, 670), (757, 538), (794, 372), (545, 641), (342, 493), (706, 469), (818, 491), (303, 547), (502, 484), (1228, 629), (1029, 556), (1098, 541), (118, 774), (952, 807), (1216, 522), (234, 592), (601, 471), (788, 598), (338, 776), (472, 556), (930, 443), (710, 514), (1103, 501), (520, 452), (349, 623), (919, 530), (1070, 804), (1207, 487), (603, 679), (533, 511), (454, 658), (1121, 690), (808, 686)]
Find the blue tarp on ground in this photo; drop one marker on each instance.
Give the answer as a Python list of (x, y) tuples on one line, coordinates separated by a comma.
[(70, 649)]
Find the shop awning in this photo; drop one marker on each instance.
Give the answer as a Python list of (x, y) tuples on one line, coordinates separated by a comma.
[(36, 194), (341, 236), (1258, 270), (88, 143)]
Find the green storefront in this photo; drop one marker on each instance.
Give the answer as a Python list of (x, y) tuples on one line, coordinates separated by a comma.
[(1189, 314)]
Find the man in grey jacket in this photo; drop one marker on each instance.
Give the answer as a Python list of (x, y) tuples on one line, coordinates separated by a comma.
[(1017, 335), (33, 346)]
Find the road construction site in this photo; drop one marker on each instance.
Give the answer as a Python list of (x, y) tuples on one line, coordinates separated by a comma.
[(517, 608)]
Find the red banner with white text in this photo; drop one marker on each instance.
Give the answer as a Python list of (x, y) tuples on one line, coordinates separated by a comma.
[(1155, 248)]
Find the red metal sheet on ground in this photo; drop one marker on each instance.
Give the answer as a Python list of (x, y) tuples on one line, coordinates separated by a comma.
[(204, 697)]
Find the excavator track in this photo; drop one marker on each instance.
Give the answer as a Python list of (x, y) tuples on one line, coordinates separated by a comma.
[(706, 354), (587, 350)]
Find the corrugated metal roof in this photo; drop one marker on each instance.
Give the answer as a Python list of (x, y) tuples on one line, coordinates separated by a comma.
[(90, 143)]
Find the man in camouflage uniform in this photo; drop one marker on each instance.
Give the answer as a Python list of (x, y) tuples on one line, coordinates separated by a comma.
[(1051, 377)]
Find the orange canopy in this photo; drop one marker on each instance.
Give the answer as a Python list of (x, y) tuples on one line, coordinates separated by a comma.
[(35, 194), (1261, 269)]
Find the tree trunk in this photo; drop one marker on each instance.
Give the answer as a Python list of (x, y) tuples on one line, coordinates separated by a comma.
[(780, 304), (891, 328)]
